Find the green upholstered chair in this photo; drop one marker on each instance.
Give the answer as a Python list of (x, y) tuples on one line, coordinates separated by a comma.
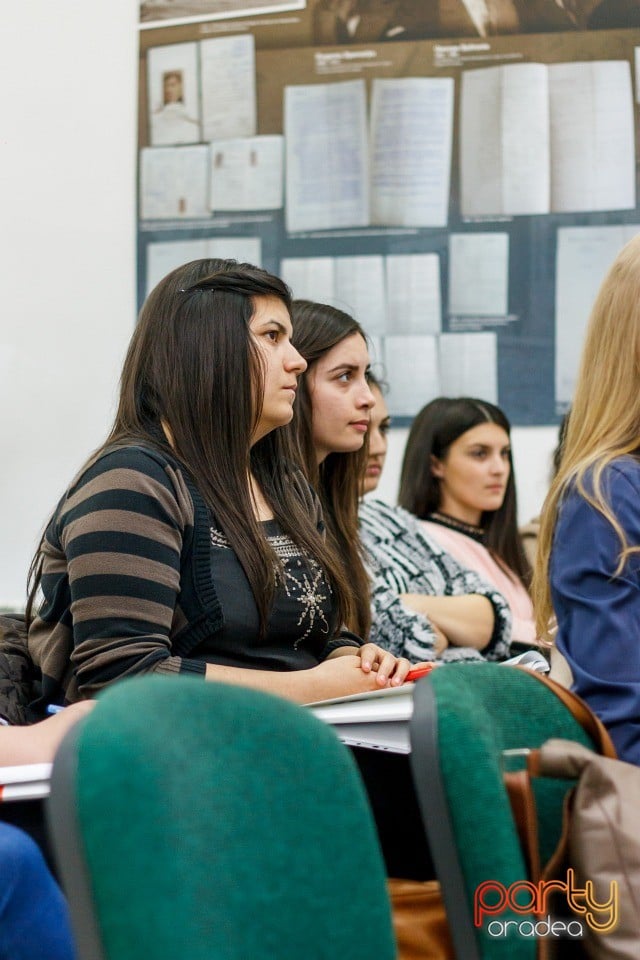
[(465, 716), (201, 820)]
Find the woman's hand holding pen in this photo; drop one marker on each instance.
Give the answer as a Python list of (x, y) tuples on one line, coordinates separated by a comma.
[(38, 742)]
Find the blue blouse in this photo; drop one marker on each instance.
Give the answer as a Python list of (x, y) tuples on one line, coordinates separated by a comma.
[(598, 612)]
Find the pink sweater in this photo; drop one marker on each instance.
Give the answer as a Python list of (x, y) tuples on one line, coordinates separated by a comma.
[(476, 557)]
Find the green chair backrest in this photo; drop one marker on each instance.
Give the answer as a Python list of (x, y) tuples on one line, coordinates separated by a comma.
[(472, 713), (201, 820)]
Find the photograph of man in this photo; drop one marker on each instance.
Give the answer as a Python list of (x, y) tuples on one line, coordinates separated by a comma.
[(490, 17), (371, 21)]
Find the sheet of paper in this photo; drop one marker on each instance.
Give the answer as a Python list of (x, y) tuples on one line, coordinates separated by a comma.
[(478, 274), (242, 249), (173, 94), (411, 131), (412, 372), (29, 781), (504, 140), (360, 291), (174, 182), (469, 365), (164, 257), (593, 159), (247, 174), (25, 773), (310, 278), (374, 700), (228, 87), (583, 257), (413, 293), (327, 174)]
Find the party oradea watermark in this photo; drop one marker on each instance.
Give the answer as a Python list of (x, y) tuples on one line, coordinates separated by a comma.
[(532, 904)]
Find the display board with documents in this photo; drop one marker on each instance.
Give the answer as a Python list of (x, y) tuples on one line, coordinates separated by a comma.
[(448, 192)]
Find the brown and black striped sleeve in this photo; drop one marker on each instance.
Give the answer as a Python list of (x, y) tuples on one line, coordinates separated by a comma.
[(120, 531)]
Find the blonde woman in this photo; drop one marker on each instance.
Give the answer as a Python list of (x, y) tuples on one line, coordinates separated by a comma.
[(587, 579)]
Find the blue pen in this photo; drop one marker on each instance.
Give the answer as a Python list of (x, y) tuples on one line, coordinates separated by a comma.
[(54, 708)]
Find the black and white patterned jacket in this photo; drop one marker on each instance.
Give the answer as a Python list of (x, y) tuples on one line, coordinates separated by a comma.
[(403, 559)]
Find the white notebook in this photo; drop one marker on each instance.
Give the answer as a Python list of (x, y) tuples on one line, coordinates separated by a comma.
[(380, 719), (28, 781)]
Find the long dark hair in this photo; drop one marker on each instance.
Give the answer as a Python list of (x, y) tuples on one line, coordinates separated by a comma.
[(434, 429), (317, 327), (187, 387)]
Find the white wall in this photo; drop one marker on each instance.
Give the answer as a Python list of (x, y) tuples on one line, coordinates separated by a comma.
[(67, 256)]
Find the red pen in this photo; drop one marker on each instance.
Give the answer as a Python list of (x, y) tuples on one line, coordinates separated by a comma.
[(418, 672)]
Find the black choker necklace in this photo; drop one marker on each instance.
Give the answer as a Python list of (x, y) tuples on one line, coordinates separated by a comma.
[(476, 533)]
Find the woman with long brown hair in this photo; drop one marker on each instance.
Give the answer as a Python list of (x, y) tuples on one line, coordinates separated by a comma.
[(332, 423), (190, 542), (426, 604), (331, 420), (458, 479), (586, 586)]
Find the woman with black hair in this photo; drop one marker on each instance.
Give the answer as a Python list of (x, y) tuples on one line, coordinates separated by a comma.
[(190, 542), (334, 424), (457, 477), (425, 604), (330, 424)]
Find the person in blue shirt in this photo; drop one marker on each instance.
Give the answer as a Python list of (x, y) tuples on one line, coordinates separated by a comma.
[(34, 917), (587, 579)]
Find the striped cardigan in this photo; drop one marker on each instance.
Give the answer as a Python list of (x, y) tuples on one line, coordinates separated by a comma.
[(127, 579)]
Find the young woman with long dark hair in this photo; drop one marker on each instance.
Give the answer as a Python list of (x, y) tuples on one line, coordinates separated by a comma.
[(425, 604), (190, 542), (330, 422), (457, 477)]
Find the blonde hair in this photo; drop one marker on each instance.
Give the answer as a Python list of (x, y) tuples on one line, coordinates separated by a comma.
[(604, 422)]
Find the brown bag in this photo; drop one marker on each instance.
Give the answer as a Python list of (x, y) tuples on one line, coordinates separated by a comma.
[(581, 712), (600, 839), (600, 843), (518, 782), (419, 920)]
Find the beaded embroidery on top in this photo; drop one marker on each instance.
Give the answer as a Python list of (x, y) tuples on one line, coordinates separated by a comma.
[(302, 582)]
